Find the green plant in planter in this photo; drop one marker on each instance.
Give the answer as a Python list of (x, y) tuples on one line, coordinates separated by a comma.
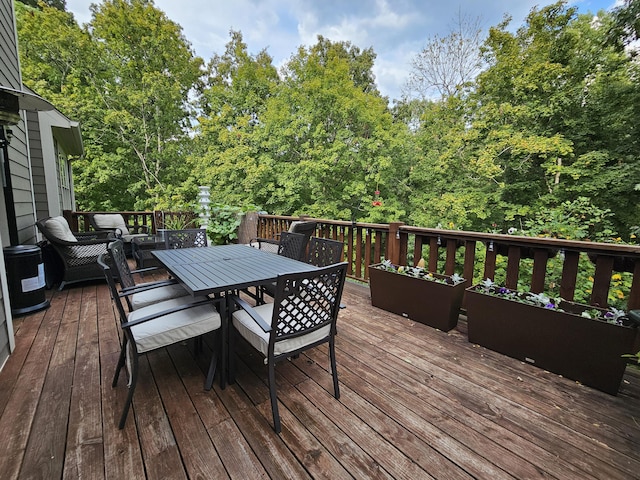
[(178, 222), (419, 272), (488, 287), (223, 223)]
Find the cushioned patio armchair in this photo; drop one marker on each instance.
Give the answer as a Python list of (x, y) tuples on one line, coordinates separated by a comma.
[(302, 316), (114, 222), (163, 324), (142, 294), (78, 250)]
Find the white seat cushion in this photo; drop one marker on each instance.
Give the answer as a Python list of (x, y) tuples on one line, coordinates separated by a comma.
[(59, 228), (155, 295), (111, 221), (259, 339), (174, 327), (129, 237)]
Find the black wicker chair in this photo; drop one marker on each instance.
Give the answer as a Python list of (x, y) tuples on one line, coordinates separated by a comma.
[(78, 250), (302, 316), (163, 324), (114, 222)]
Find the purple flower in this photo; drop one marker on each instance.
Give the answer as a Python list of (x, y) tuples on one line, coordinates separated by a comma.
[(503, 290), (550, 305)]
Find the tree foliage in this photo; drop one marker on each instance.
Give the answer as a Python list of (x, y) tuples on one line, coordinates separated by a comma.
[(547, 129)]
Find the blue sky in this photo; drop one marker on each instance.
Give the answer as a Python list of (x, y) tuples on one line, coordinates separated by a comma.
[(396, 29)]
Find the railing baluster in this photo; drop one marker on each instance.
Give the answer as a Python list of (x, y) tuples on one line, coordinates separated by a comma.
[(513, 267), (540, 258), (569, 275), (602, 281), (450, 262)]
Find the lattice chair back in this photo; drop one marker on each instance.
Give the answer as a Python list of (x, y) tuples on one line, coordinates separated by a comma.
[(188, 238), (119, 262), (292, 245), (323, 251), (307, 302)]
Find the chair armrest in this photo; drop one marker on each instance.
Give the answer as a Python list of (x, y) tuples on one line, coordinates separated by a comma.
[(169, 311), (143, 287), (145, 270), (138, 229), (252, 313), (88, 236)]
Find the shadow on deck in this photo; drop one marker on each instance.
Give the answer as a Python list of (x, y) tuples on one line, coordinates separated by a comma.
[(416, 403)]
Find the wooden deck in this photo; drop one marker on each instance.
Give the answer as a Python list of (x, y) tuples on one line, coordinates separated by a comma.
[(416, 403)]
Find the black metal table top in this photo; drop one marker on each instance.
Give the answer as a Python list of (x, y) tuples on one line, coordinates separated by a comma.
[(226, 267)]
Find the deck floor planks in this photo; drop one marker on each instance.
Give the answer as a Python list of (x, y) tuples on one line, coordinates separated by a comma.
[(413, 399), (20, 412), (159, 448), (558, 405), (452, 399), (408, 339), (196, 450), (45, 452), (122, 451), (303, 441)]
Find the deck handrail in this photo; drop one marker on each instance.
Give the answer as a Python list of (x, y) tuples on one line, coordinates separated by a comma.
[(449, 251), (369, 243)]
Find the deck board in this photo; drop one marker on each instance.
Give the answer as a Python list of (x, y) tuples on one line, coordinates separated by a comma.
[(415, 403)]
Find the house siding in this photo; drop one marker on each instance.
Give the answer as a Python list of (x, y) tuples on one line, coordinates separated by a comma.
[(10, 77), (37, 166)]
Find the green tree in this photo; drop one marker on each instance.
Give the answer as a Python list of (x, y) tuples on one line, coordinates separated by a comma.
[(556, 113), (149, 70), (127, 77)]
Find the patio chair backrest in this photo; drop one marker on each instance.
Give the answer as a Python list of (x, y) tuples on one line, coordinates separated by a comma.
[(56, 228), (291, 245), (109, 221), (104, 261), (324, 251), (119, 262), (190, 237), (306, 301)]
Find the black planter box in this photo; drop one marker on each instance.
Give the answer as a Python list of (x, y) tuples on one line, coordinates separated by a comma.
[(431, 303), (582, 349)]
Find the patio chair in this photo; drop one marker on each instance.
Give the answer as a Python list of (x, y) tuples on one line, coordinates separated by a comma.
[(114, 222), (305, 228), (160, 325), (290, 245), (324, 251), (302, 316), (187, 238), (78, 250), (143, 294)]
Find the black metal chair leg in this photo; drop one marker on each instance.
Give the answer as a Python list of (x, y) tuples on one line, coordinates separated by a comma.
[(132, 387), (274, 397), (121, 360), (334, 369), (212, 366), (232, 357)]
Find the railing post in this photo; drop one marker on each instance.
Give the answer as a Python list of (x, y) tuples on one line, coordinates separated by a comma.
[(394, 244)]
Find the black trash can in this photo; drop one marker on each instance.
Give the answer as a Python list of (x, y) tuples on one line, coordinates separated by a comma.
[(25, 278)]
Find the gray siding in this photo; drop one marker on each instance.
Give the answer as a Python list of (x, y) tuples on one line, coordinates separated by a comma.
[(9, 76), (37, 166)]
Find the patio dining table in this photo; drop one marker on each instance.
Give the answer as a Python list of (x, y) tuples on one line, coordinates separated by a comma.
[(223, 268)]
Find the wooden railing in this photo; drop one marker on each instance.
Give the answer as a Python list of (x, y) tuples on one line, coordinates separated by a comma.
[(476, 255), (522, 262), (79, 221)]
